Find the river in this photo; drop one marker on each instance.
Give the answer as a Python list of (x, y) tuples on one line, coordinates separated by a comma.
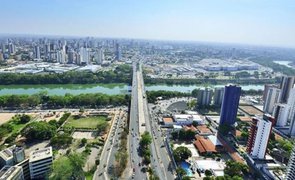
[(110, 89)]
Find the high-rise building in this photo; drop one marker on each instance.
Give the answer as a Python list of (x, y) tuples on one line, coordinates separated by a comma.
[(99, 56), (84, 56), (272, 97), (3, 48), (204, 97), (280, 113), (287, 83), (1, 56), (291, 166), (37, 54), (117, 52), (11, 155), (258, 137), (218, 96), (230, 104), (40, 162), (11, 173), (11, 48), (266, 88), (291, 104)]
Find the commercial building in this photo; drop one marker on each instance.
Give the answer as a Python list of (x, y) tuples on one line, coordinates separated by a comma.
[(230, 103), (287, 83), (11, 156), (204, 97), (258, 137), (218, 96), (40, 162), (272, 97), (280, 113), (11, 173), (187, 119), (291, 166)]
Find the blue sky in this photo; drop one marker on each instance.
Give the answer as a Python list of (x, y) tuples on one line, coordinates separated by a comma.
[(262, 22)]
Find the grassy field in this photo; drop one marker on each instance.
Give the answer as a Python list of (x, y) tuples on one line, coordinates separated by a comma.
[(86, 122)]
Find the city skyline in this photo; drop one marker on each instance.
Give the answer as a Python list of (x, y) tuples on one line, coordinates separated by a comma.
[(244, 22)]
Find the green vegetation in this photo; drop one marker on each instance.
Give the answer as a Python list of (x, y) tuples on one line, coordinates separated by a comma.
[(152, 95), (181, 153), (208, 80), (235, 169), (283, 144), (13, 127), (89, 122), (145, 141), (81, 100), (183, 135), (192, 104), (121, 155), (268, 62), (68, 167), (61, 140), (122, 74), (180, 171), (38, 131)]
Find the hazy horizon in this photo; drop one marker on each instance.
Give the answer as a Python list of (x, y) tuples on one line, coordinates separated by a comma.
[(245, 22)]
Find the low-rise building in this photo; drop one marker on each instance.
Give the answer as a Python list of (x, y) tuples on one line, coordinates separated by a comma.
[(187, 119)]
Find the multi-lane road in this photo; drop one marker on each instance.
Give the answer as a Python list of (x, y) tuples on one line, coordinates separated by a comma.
[(140, 121)]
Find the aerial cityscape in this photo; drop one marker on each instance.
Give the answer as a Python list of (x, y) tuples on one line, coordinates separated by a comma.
[(83, 96)]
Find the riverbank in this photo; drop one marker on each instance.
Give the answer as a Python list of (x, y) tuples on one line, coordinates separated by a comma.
[(109, 89)]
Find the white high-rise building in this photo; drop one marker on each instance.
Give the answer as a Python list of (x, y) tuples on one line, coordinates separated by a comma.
[(273, 97), (99, 56), (84, 55), (258, 138), (40, 163), (291, 114), (280, 113)]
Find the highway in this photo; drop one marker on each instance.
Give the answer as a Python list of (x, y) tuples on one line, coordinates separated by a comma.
[(134, 128), (139, 115)]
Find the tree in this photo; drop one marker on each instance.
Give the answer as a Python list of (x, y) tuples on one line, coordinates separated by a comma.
[(69, 167), (208, 173), (145, 140), (180, 171), (181, 153), (83, 141), (235, 168), (102, 127), (24, 118), (38, 131), (62, 140)]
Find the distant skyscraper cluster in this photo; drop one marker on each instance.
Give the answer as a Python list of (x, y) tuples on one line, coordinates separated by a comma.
[(70, 51)]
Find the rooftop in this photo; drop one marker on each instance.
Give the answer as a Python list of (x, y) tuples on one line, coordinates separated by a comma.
[(168, 120), (204, 145), (40, 154), (8, 171)]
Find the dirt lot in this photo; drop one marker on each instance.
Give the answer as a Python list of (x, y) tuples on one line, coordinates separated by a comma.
[(251, 110), (5, 117)]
